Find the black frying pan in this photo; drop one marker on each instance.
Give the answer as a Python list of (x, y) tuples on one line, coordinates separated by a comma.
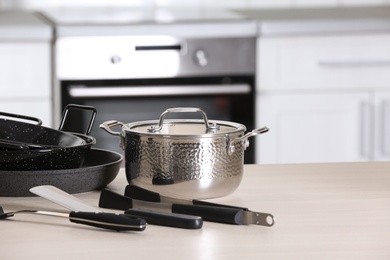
[(99, 168), (26, 146)]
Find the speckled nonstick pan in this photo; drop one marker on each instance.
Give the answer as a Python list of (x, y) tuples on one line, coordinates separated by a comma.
[(23, 135), (47, 159), (100, 168), (26, 146)]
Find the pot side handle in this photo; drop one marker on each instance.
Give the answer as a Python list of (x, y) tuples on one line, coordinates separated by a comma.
[(245, 138), (108, 125)]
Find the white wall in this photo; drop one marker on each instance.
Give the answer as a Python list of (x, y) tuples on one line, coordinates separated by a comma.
[(37, 4)]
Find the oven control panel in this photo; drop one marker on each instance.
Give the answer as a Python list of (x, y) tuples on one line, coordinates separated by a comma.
[(159, 56)]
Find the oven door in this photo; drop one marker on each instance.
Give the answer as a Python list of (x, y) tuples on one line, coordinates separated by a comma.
[(222, 98)]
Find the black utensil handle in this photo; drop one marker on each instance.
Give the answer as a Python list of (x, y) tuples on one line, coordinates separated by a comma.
[(112, 200), (211, 204), (137, 192), (118, 222), (213, 214), (167, 219)]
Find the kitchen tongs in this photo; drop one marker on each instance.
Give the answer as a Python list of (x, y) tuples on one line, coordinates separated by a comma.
[(227, 215), (248, 217)]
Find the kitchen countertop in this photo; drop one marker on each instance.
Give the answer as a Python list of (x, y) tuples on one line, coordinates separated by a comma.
[(24, 25), (179, 22), (191, 22), (322, 211)]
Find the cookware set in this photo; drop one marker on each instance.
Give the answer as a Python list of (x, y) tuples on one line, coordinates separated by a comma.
[(170, 165)]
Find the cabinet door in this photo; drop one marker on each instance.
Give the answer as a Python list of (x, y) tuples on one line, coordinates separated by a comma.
[(346, 61), (323, 127), (25, 79), (25, 70)]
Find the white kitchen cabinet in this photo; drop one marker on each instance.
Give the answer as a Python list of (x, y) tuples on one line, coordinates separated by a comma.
[(25, 79), (25, 68), (25, 65), (348, 61), (325, 98), (313, 127), (325, 127)]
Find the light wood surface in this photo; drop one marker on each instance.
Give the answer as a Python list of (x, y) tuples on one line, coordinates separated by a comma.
[(322, 211)]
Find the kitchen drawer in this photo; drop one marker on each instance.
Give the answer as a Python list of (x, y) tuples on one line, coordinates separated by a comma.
[(330, 61), (25, 69)]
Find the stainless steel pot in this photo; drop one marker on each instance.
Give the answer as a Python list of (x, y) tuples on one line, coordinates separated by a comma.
[(185, 158)]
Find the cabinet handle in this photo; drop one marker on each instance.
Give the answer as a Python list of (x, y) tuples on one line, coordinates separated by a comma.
[(384, 128), (353, 63), (366, 130)]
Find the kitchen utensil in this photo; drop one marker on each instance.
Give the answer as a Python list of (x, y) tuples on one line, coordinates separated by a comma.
[(109, 199), (99, 168), (62, 198), (184, 158), (167, 219), (152, 217), (26, 146), (111, 221), (250, 217)]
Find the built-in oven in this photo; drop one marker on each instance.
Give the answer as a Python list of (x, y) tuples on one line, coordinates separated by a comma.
[(136, 78)]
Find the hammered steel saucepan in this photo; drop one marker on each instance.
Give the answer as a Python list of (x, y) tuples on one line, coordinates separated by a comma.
[(186, 158)]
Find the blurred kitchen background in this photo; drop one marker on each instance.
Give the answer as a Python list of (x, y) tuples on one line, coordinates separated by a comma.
[(317, 73), (27, 4)]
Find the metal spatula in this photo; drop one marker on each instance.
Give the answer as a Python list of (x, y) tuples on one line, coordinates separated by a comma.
[(101, 220)]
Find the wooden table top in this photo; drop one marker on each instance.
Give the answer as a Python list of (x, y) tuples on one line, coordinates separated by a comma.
[(322, 211)]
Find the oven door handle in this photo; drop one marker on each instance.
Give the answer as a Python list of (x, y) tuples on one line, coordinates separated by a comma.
[(82, 91)]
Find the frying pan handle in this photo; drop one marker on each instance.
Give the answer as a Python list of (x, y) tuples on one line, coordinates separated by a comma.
[(37, 120), (78, 107), (245, 137), (210, 127)]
